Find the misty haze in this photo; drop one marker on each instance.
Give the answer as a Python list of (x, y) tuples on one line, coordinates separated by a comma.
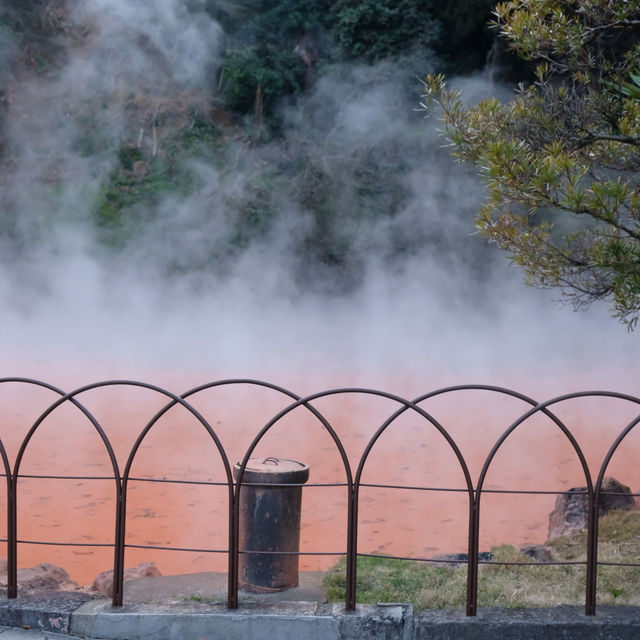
[(158, 224)]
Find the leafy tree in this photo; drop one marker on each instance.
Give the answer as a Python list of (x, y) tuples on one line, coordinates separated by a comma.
[(377, 29), (277, 48), (271, 47), (561, 160), (279, 22), (259, 74)]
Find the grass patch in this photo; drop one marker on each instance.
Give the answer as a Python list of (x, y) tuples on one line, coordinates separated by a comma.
[(198, 597), (391, 580), (437, 586)]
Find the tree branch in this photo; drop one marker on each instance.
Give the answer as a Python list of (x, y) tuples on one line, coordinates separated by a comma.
[(599, 137), (617, 24)]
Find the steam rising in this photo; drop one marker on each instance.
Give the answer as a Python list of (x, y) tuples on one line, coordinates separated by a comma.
[(424, 298)]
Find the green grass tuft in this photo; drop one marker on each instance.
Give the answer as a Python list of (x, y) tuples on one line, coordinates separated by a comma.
[(436, 586)]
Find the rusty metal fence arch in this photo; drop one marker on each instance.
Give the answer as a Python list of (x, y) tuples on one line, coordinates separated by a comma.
[(475, 493), (353, 482), (353, 486), (593, 508), (352, 560), (13, 475)]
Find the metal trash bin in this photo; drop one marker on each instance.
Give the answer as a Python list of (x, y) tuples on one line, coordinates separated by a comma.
[(270, 521)]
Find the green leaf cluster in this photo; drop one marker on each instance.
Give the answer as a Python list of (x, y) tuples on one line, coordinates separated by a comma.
[(377, 29), (560, 160), (139, 182), (282, 45), (255, 71), (275, 22)]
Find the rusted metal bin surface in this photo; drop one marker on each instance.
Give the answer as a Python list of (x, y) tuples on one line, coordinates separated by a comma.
[(270, 521)]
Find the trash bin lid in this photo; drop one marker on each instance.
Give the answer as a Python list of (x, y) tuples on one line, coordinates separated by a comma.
[(273, 470)]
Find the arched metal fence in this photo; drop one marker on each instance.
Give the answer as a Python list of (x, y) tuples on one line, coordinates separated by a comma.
[(353, 471)]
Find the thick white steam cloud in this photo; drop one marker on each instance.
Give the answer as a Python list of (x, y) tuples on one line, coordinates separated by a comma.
[(450, 311)]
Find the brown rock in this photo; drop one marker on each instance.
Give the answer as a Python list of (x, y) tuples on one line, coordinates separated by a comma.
[(570, 514), (456, 560), (45, 576), (538, 552), (140, 169), (619, 496), (104, 582)]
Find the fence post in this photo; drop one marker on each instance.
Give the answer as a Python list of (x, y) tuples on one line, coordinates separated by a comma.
[(352, 547), (232, 587), (118, 562), (472, 556), (592, 554), (12, 538)]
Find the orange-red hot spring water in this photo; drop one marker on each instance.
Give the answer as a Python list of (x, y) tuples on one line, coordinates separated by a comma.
[(392, 521)]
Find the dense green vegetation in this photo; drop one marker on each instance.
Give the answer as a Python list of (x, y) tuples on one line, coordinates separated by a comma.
[(270, 39), (267, 135)]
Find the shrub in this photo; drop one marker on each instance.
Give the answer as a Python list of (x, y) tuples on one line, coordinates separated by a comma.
[(378, 29), (277, 73)]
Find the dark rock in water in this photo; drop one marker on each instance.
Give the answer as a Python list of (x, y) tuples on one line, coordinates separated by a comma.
[(538, 552), (571, 512), (457, 559), (104, 582)]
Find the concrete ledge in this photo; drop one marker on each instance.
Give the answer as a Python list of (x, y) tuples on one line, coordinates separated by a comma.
[(194, 621), (47, 610), (331, 622), (310, 621), (566, 623), (71, 613)]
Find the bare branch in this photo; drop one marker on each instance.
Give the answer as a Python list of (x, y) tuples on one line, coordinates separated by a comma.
[(600, 137), (617, 24)]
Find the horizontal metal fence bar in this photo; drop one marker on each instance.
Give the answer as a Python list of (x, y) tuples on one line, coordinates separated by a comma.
[(175, 481), (285, 484), (244, 484), (327, 484), (325, 553), (190, 549), (447, 489), (508, 563), (23, 476), (67, 544), (458, 561), (171, 481), (246, 552), (409, 488), (502, 491), (387, 557), (534, 492)]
